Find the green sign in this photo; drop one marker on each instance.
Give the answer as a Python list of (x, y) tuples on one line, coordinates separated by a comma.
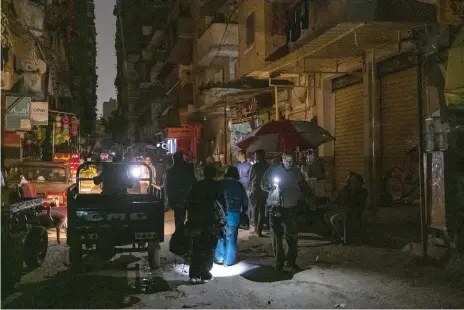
[(18, 116)]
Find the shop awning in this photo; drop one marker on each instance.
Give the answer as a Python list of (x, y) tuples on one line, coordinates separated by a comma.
[(340, 43)]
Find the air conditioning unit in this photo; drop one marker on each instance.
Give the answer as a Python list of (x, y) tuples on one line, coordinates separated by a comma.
[(6, 80)]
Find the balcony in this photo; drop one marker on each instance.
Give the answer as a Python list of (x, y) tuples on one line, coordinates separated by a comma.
[(185, 27), (219, 40), (156, 40), (333, 31)]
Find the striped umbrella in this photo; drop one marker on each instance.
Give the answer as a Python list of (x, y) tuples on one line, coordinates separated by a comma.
[(285, 135)]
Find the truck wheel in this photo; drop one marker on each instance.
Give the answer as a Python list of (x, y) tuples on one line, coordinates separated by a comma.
[(35, 247), (154, 254), (75, 256)]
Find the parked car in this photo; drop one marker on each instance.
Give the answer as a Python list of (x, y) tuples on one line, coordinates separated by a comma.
[(51, 179)]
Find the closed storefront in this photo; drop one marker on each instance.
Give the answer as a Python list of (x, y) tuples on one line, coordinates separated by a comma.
[(349, 132), (399, 134)]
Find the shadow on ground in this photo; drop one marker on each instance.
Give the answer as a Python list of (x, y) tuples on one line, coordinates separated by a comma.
[(72, 291), (93, 287), (266, 274)]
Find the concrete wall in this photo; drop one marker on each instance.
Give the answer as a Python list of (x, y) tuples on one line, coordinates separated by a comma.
[(252, 58)]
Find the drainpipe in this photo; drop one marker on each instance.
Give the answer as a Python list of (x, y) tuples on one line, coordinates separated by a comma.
[(226, 159), (276, 99), (420, 108)]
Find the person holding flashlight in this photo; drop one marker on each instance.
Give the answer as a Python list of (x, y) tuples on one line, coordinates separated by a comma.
[(286, 185)]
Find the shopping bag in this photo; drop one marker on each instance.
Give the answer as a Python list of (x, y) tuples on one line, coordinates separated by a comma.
[(180, 243)]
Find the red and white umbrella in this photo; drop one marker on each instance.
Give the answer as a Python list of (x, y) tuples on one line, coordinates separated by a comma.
[(285, 135)]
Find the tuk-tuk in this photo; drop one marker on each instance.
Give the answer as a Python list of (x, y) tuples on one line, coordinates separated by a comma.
[(105, 221)]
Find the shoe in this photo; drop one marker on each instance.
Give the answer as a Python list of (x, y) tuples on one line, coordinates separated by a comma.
[(207, 278), (195, 281), (294, 268), (219, 262), (279, 267)]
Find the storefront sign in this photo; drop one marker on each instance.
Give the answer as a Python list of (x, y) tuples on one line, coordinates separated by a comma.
[(243, 112), (39, 113), (72, 159), (176, 133), (19, 113)]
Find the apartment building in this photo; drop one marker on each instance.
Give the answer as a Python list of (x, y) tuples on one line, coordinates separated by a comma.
[(370, 72)]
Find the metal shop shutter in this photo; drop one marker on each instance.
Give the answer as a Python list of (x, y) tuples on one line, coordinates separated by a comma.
[(399, 133), (349, 133)]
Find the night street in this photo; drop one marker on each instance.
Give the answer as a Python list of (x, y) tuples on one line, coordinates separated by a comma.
[(245, 154), (339, 277)]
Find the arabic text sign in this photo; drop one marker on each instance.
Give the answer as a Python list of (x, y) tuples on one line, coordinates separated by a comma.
[(20, 111), (241, 113), (65, 157), (39, 113)]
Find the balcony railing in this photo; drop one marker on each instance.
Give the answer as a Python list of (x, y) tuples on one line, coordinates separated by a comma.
[(218, 40)]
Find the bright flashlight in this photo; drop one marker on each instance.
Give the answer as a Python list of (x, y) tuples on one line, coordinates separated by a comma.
[(276, 181), (135, 171)]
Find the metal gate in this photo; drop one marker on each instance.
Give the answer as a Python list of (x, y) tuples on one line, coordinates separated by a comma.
[(349, 133), (399, 133), (398, 97)]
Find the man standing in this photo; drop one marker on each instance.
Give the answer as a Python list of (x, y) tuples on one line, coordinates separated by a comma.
[(180, 177), (285, 181), (258, 196), (244, 169)]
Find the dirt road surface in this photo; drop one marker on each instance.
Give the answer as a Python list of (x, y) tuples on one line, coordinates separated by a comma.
[(334, 277)]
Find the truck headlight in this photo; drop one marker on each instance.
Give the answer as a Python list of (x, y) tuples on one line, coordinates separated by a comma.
[(135, 172)]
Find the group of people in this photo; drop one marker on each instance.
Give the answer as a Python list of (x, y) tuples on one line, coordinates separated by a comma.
[(214, 209), (210, 211)]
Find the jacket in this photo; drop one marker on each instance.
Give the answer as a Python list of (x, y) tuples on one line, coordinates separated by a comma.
[(244, 172), (290, 183), (180, 177), (235, 196), (256, 175), (203, 202)]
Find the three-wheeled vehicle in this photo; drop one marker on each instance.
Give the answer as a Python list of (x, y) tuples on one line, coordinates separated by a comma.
[(107, 223)]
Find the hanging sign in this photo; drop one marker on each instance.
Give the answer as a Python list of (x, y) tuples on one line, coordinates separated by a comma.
[(39, 113), (179, 132), (242, 112), (19, 112)]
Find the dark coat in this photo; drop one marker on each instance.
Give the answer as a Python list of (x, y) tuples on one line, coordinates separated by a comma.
[(180, 177)]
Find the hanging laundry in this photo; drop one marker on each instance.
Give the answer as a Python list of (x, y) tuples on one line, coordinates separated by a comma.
[(305, 15), (296, 31)]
